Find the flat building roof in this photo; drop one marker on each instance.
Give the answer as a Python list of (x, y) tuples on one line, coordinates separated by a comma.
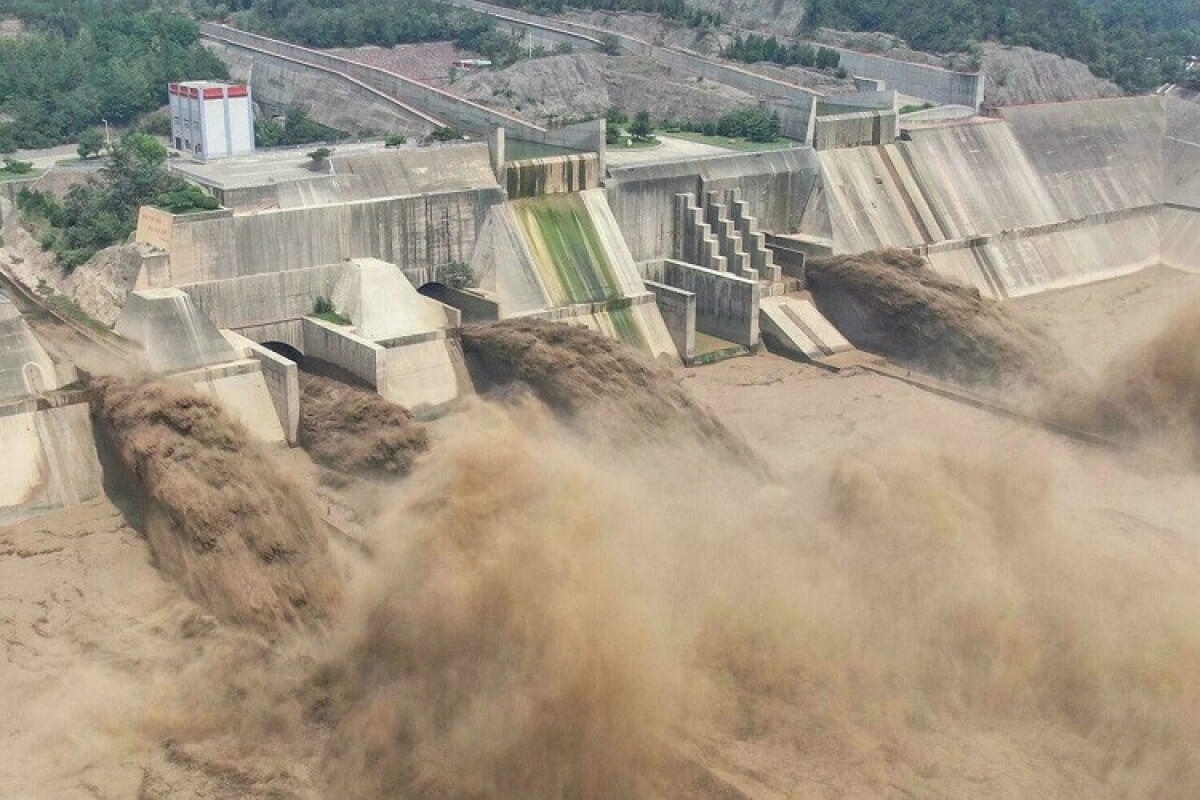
[(209, 90)]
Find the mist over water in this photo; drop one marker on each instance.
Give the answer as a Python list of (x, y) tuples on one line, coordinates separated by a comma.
[(581, 605), (1148, 397)]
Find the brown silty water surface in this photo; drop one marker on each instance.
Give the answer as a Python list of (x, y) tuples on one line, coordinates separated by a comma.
[(575, 593)]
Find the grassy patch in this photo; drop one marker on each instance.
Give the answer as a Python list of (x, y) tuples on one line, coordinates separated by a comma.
[(333, 317), (732, 143), (6, 176), (70, 309)]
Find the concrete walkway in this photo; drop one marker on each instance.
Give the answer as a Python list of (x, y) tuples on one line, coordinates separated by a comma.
[(48, 157), (670, 150)]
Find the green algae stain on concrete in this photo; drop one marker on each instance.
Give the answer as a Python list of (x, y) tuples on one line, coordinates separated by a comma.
[(569, 252), (626, 326)]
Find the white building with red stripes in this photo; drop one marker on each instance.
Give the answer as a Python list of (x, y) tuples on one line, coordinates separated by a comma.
[(211, 120)]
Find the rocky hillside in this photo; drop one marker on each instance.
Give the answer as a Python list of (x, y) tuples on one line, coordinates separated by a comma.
[(1017, 75), (585, 85)]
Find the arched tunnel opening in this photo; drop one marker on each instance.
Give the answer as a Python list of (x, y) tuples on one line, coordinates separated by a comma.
[(287, 351), (434, 290)]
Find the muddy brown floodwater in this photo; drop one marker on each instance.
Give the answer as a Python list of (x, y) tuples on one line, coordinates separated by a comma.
[(915, 598)]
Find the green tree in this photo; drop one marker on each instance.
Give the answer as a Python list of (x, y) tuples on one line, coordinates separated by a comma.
[(91, 142), (641, 128), (616, 120), (103, 211), (610, 45)]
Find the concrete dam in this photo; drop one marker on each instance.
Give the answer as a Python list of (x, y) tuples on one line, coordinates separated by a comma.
[(683, 260)]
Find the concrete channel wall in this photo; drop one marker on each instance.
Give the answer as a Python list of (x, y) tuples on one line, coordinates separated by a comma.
[(335, 344), (678, 309), (1050, 195), (1179, 227), (331, 97), (431, 101), (50, 459), (795, 104), (1038, 166), (726, 305), (282, 378), (918, 80)]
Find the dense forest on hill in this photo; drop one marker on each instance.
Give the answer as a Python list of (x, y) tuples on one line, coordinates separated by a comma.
[(672, 9), (1136, 43), (351, 23), (87, 60)]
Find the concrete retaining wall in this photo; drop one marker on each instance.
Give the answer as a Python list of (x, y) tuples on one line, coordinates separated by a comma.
[(855, 130), (434, 102), (554, 175), (331, 97), (335, 344), (678, 309), (726, 305), (281, 376), (798, 102), (418, 234), (917, 80)]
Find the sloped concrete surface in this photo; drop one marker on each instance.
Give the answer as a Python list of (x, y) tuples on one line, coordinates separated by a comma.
[(49, 461), (383, 304), (25, 367), (796, 325)]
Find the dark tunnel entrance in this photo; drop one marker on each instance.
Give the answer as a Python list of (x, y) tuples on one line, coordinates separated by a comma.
[(434, 290), (287, 351)]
